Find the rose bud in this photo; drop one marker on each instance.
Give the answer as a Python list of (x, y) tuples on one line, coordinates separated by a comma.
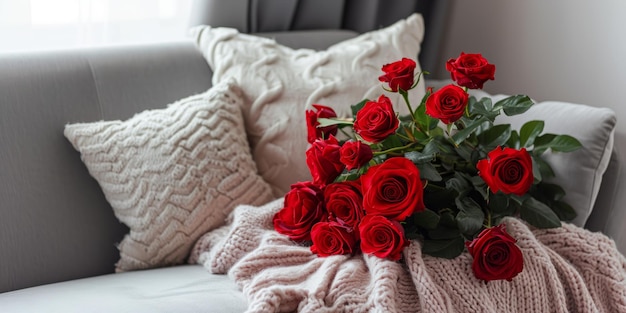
[(376, 120), (382, 237), (322, 158), (313, 131), (447, 104), (470, 70), (332, 238), (393, 189), (496, 256), (303, 208), (355, 154), (399, 74), (507, 170)]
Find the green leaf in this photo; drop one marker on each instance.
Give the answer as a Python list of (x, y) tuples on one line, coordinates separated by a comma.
[(430, 148), (465, 151), (544, 168), (514, 105), (553, 192), (499, 205), (449, 249), (564, 143), (538, 214), (564, 211), (536, 169), (357, 107), (529, 131), (428, 171), (424, 121), (447, 219), (331, 121), (462, 134), (542, 143), (482, 107), (480, 186), (458, 184), (426, 219), (418, 157), (513, 141), (495, 136), (392, 141), (443, 232), (348, 176), (470, 217)]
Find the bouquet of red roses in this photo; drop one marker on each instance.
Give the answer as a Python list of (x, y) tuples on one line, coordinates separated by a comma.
[(443, 175)]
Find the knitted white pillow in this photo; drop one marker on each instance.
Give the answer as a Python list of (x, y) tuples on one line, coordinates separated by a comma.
[(280, 83), (172, 174)]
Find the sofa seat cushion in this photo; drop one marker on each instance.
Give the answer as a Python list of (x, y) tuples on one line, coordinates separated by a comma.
[(181, 289)]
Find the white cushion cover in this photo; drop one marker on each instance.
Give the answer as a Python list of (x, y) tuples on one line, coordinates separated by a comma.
[(280, 83)]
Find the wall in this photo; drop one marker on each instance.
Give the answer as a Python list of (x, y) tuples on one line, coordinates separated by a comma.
[(567, 50)]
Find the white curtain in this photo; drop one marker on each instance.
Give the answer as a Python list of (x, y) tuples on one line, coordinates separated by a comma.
[(57, 24)]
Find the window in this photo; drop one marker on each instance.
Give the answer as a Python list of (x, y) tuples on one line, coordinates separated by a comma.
[(46, 24)]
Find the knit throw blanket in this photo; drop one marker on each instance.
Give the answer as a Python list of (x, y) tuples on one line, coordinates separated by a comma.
[(567, 269)]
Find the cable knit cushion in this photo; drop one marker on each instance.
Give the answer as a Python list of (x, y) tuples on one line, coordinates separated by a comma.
[(172, 174), (280, 83)]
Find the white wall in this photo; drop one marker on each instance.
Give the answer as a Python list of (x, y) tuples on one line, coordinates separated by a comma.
[(567, 50), (572, 50)]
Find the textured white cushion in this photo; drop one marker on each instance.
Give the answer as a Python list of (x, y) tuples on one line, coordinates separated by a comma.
[(172, 174), (280, 83), (579, 172)]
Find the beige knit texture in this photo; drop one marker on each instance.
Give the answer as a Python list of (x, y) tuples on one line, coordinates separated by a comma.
[(172, 174), (280, 83), (567, 269)]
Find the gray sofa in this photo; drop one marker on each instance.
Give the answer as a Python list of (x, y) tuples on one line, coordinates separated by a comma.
[(57, 231)]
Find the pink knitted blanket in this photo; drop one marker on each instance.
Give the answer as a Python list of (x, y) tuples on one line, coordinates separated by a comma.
[(568, 269)]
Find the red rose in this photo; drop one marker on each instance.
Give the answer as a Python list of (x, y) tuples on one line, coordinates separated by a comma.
[(303, 207), (382, 237), (470, 70), (507, 169), (376, 120), (393, 189), (496, 256), (447, 104), (332, 238), (344, 203), (322, 158), (399, 74), (314, 132), (355, 154)]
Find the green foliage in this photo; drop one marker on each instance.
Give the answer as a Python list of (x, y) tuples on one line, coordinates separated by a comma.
[(459, 202)]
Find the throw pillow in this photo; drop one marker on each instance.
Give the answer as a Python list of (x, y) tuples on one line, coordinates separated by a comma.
[(172, 174), (280, 83), (579, 172)]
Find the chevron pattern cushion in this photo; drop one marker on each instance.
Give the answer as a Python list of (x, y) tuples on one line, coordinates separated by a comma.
[(281, 83), (172, 174)]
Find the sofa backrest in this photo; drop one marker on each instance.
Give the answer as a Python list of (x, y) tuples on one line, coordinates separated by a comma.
[(279, 16), (55, 223)]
